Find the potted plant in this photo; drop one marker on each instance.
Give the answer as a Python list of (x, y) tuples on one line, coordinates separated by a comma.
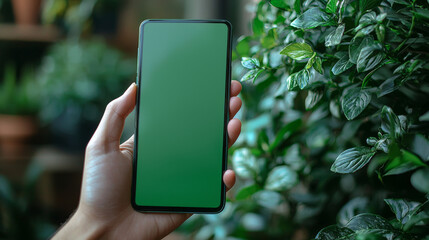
[(19, 105), (26, 12)]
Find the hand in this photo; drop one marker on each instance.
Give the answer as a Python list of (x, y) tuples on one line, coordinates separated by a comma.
[(105, 203)]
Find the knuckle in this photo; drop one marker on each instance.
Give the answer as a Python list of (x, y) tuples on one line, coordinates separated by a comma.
[(111, 106)]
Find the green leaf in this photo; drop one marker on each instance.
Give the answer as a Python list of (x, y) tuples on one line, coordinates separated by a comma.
[(293, 158), (312, 18), (297, 6), (402, 209), (247, 191), (285, 132), (369, 57), (368, 4), (303, 78), (349, 131), (342, 65), (368, 18), (243, 46), (283, 86), (244, 163), (376, 234), (381, 17), (381, 144), (310, 61), (257, 26), (352, 208), (422, 13), (312, 99), (334, 108), (419, 180), (368, 221), (317, 136), (333, 232), (298, 51), (280, 4), (424, 117), (365, 31), (317, 65), (331, 6), (251, 75), (389, 85), (390, 123), (299, 79), (270, 39), (420, 146), (250, 63), (334, 38), (275, 58), (354, 102), (352, 160), (268, 199), (403, 163), (357, 45), (281, 178), (417, 218)]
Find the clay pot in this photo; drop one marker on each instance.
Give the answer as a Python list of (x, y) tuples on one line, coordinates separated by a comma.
[(26, 12), (14, 131)]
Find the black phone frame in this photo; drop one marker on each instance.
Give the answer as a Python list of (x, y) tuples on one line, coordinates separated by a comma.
[(169, 209)]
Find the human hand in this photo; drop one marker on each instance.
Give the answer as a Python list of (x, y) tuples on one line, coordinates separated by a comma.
[(105, 203)]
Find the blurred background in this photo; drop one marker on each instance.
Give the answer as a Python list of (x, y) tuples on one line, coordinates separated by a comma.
[(61, 62)]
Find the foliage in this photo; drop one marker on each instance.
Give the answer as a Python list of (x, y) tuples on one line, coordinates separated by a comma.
[(335, 123), (83, 75), (77, 80), (17, 96)]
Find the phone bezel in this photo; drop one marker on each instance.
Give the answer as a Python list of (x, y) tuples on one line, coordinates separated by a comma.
[(226, 119)]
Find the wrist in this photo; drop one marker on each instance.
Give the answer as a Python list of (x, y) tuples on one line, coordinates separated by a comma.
[(81, 226)]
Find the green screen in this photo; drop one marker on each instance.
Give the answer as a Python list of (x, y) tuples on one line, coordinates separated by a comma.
[(181, 115)]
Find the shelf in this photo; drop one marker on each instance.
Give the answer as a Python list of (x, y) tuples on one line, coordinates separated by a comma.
[(30, 33)]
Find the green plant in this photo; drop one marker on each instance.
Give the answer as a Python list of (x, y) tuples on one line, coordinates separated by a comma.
[(335, 123), (18, 97), (82, 76), (77, 79)]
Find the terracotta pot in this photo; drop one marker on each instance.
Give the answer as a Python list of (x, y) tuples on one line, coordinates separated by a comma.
[(14, 131), (26, 11)]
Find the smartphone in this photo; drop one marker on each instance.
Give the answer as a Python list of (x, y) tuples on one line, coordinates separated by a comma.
[(182, 112)]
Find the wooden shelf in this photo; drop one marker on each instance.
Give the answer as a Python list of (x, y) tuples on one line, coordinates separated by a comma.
[(30, 33)]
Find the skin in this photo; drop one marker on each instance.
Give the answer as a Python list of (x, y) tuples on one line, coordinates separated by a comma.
[(105, 209)]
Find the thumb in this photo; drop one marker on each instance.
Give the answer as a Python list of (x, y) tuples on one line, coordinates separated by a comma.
[(107, 136)]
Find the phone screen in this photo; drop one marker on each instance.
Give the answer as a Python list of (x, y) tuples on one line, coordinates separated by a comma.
[(182, 112)]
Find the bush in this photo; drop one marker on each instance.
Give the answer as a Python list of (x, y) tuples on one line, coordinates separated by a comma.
[(335, 123)]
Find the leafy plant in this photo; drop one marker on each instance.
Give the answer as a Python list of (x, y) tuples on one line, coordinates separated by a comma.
[(77, 79), (18, 96), (335, 122), (84, 74)]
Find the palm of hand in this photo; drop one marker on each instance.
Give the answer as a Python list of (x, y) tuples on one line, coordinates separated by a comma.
[(106, 194)]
